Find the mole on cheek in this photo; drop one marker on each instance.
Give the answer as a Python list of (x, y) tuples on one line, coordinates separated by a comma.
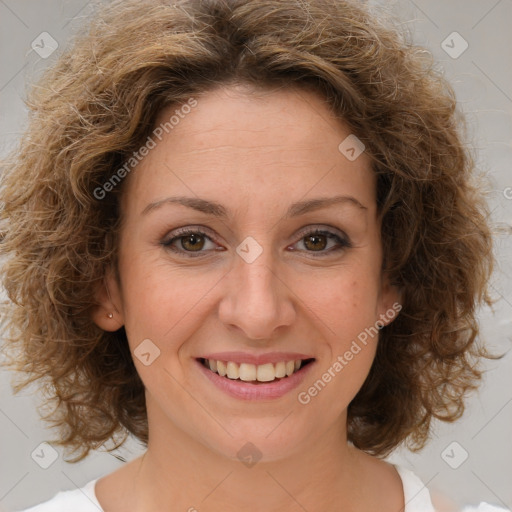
[(354, 303)]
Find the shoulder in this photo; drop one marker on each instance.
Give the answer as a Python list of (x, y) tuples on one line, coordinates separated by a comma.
[(485, 507), (417, 497), (416, 494), (78, 500)]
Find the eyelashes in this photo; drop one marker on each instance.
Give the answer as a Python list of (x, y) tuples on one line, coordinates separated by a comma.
[(316, 236)]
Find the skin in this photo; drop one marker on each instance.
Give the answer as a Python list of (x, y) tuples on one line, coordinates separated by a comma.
[(256, 152)]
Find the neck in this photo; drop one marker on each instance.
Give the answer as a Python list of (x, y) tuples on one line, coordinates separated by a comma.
[(177, 469)]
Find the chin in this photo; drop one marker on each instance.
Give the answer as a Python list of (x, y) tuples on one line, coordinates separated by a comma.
[(265, 440)]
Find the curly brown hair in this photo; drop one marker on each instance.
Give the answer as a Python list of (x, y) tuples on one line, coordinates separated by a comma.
[(98, 103)]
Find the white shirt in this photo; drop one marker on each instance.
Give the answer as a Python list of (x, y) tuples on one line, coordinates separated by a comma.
[(416, 495)]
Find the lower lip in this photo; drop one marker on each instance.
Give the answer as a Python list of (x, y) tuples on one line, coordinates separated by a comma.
[(261, 391)]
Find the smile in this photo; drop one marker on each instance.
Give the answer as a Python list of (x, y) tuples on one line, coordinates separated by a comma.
[(247, 372), (250, 377)]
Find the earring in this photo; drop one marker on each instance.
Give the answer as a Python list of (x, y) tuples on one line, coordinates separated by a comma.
[(110, 315)]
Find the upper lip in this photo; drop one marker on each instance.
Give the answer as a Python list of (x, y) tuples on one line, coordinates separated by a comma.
[(256, 359)]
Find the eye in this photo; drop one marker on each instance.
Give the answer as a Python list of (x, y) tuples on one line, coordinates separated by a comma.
[(188, 241), (317, 240)]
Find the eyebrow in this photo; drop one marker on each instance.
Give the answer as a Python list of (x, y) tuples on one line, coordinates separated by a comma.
[(218, 210)]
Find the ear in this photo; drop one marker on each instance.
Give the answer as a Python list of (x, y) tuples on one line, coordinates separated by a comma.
[(107, 314), (390, 301)]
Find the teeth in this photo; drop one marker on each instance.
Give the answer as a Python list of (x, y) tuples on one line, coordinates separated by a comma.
[(221, 368), (266, 372), (247, 371), (251, 372), (280, 370), (233, 370)]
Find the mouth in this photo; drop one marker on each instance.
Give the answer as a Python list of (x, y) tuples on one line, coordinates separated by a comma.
[(253, 373)]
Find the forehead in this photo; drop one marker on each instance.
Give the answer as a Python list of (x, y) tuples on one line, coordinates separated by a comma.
[(240, 144)]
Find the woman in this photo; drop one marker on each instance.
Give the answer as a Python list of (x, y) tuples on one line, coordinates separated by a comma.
[(248, 236)]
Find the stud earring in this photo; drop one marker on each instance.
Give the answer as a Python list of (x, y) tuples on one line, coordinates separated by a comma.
[(110, 315)]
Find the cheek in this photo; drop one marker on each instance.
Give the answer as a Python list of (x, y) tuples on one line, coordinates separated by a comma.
[(346, 306), (346, 302), (162, 303)]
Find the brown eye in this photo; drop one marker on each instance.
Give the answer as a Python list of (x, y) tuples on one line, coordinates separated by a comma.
[(189, 242), (193, 242), (318, 241), (315, 242)]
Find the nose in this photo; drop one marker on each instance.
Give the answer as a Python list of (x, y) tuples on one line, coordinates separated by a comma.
[(257, 299)]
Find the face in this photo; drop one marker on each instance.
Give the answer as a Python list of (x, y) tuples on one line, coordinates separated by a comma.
[(248, 282)]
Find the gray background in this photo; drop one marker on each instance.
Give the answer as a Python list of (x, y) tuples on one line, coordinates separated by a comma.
[(482, 77)]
